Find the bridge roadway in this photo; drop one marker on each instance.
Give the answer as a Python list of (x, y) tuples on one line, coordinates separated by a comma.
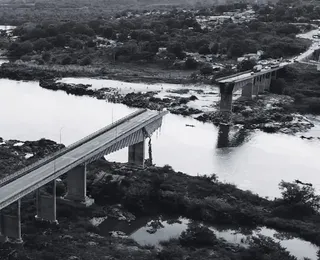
[(246, 76), (20, 187)]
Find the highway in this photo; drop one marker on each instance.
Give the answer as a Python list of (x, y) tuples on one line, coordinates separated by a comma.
[(29, 181)]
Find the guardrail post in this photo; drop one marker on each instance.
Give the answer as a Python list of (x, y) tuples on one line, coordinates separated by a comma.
[(77, 183), (136, 153), (47, 205)]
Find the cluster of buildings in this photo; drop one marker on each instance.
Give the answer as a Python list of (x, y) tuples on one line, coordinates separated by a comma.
[(235, 17)]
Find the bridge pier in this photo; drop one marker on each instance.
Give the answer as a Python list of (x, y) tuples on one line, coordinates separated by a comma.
[(268, 81), (247, 91), (77, 183), (10, 226), (262, 84), (136, 153), (255, 89), (47, 205), (226, 90)]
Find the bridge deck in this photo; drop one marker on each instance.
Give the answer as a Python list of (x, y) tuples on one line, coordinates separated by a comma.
[(246, 76), (30, 180)]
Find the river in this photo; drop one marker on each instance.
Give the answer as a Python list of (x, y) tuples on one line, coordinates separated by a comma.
[(258, 162)]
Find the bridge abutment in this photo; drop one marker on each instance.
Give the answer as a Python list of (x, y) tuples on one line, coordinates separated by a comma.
[(47, 205), (226, 90), (136, 153), (10, 225), (77, 183)]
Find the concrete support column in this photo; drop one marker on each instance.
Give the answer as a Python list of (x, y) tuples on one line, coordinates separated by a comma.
[(263, 84), (268, 81), (11, 225), (255, 88), (247, 91), (47, 205), (77, 183), (226, 90), (274, 74), (136, 153)]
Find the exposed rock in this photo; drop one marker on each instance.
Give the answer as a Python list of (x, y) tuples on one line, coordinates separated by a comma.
[(13, 157), (76, 89), (118, 234)]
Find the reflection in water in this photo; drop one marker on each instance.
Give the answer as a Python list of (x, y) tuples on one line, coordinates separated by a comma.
[(228, 139), (172, 228), (223, 136)]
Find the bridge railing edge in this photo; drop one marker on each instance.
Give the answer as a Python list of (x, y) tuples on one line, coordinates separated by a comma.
[(53, 156), (233, 75)]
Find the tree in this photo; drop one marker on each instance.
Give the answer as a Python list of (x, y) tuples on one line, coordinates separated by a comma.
[(214, 48), (20, 49), (204, 49), (294, 193), (41, 44), (107, 32), (46, 56), (177, 49), (246, 65), (66, 60), (191, 63), (86, 61)]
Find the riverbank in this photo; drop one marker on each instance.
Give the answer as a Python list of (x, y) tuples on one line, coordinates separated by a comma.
[(126, 193), (20, 70)]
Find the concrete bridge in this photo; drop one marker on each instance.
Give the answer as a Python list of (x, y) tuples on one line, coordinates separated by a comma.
[(130, 131), (250, 83)]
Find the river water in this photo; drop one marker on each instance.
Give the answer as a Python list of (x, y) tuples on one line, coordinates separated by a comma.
[(258, 162)]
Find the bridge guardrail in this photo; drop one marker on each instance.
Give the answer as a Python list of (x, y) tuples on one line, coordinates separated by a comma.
[(53, 156), (233, 75)]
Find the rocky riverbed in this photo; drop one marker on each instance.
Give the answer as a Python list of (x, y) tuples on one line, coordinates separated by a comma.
[(270, 112), (125, 193)]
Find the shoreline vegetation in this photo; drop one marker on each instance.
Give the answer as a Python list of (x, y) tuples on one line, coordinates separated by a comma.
[(156, 191)]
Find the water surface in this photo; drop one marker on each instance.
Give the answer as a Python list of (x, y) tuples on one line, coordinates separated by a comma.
[(138, 230), (257, 161)]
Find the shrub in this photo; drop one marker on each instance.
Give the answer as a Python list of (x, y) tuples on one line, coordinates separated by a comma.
[(191, 64), (66, 60), (294, 194), (86, 61)]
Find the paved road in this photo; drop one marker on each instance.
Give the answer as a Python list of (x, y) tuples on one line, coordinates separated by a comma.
[(314, 46), (32, 178)]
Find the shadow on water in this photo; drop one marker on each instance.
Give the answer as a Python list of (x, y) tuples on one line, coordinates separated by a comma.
[(153, 231), (226, 138)]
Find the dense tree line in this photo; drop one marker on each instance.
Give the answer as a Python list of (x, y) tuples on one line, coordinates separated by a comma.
[(141, 37)]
